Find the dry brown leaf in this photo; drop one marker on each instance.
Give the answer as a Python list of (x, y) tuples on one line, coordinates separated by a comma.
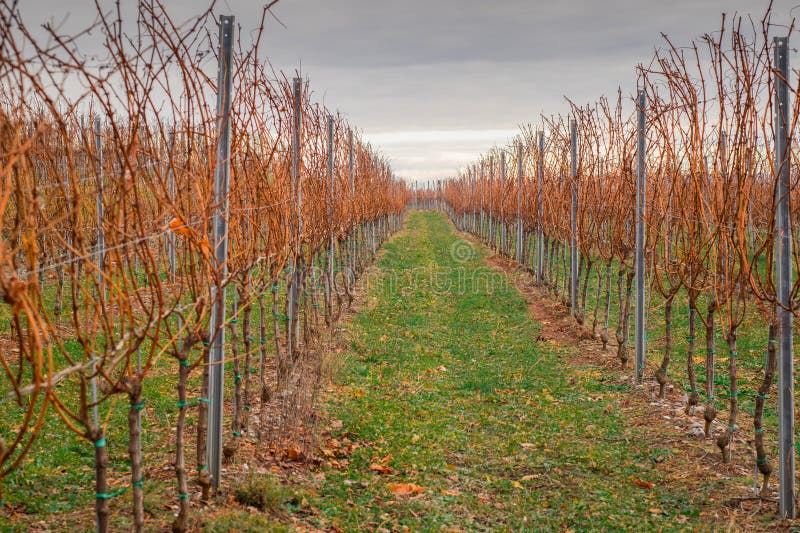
[(644, 484), (292, 454), (405, 489), (383, 469)]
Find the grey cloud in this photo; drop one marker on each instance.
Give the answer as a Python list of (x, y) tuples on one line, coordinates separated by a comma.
[(424, 65)]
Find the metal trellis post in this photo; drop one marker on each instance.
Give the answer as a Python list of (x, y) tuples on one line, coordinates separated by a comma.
[(573, 280), (216, 353), (784, 286), (540, 207), (641, 207), (519, 204), (503, 227)]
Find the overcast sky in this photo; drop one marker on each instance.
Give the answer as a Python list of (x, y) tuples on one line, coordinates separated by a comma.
[(434, 83)]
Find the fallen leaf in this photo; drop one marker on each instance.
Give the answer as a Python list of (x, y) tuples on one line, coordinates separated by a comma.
[(383, 469), (293, 454), (405, 489), (644, 484)]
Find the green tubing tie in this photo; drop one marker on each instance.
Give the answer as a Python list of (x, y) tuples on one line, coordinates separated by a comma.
[(234, 320), (762, 396), (731, 428), (734, 353), (694, 391), (247, 408), (759, 430), (202, 467), (253, 370), (138, 406), (204, 400), (237, 378), (711, 397), (183, 496), (761, 460), (206, 343), (184, 363), (182, 404), (237, 433), (772, 341), (139, 483), (109, 495), (690, 339), (262, 343), (100, 442), (274, 288)]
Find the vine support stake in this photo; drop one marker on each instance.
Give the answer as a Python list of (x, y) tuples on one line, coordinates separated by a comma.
[(784, 285), (351, 172), (573, 218), (641, 208), (491, 203), (331, 240), (101, 238), (519, 204), (294, 274), (216, 353), (503, 225), (540, 209), (171, 191)]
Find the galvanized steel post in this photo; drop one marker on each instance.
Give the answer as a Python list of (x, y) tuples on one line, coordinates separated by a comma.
[(573, 219), (784, 285), (519, 204), (641, 208), (540, 209), (216, 353)]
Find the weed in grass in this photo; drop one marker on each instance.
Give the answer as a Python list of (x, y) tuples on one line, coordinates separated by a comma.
[(264, 492)]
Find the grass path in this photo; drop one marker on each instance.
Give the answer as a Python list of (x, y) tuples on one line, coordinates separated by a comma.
[(446, 387)]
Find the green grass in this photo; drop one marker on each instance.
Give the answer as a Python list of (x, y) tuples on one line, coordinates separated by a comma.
[(500, 432), (54, 483), (751, 343)]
